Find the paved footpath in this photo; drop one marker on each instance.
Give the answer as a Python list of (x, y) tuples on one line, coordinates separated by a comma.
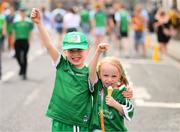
[(174, 49)]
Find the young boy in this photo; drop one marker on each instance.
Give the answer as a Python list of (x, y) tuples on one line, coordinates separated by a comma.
[(71, 104)]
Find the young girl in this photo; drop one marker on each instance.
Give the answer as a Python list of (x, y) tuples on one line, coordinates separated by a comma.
[(111, 109)]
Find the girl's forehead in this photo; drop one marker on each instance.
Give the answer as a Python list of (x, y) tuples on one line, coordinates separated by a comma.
[(106, 64), (109, 67)]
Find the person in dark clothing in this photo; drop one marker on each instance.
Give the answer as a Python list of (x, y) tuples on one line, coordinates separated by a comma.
[(22, 29), (164, 29)]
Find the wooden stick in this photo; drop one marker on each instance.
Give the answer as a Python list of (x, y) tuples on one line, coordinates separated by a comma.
[(102, 120)]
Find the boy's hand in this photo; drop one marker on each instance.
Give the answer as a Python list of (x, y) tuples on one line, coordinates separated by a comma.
[(128, 93), (102, 47), (35, 15)]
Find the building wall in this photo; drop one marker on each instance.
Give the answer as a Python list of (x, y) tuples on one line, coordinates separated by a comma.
[(178, 5), (36, 3), (167, 4)]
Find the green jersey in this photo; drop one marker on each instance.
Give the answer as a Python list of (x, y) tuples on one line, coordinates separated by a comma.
[(100, 19), (124, 16), (9, 27), (9, 20), (2, 22), (22, 29), (71, 100), (113, 120), (84, 16)]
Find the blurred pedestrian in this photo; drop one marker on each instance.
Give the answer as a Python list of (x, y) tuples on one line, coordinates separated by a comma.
[(71, 20), (99, 24), (111, 24), (47, 18), (2, 36), (58, 14), (10, 18), (145, 14), (152, 19), (22, 30), (109, 109), (174, 15), (123, 19), (138, 24), (85, 20), (164, 29)]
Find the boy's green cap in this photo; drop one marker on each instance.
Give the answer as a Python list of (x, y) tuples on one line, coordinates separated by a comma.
[(75, 40)]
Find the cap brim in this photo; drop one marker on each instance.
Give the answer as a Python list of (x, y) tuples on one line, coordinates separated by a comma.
[(75, 47)]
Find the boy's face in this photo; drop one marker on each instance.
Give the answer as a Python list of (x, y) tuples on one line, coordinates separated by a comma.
[(76, 57), (109, 75)]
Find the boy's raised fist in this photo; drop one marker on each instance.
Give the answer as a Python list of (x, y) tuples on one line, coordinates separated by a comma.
[(35, 15)]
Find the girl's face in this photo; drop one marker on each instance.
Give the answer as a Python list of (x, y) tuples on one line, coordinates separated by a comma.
[(109, 75), (76, 57)]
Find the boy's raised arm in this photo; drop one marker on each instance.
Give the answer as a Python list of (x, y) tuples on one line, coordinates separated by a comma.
[(36, 18), (102, 47)]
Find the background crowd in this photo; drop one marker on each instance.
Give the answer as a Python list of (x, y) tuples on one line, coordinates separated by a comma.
[(112, 22)]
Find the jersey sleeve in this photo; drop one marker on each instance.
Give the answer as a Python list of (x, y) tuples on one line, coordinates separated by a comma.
[(127, 104), (55, 63), (92, 84), (128, 109), (59, 62)]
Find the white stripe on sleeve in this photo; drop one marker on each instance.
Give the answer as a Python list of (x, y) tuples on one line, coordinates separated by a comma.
[(55, 63)]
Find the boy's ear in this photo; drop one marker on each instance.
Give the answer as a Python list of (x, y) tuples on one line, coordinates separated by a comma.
[(64, 51), (87, 51)]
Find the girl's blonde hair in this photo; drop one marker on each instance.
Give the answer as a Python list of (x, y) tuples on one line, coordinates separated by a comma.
[(116, 62)]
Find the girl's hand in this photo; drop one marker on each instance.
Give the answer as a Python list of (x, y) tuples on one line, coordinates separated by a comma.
[(128, 93), (110, 101), (102, 47), (35, 15)]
